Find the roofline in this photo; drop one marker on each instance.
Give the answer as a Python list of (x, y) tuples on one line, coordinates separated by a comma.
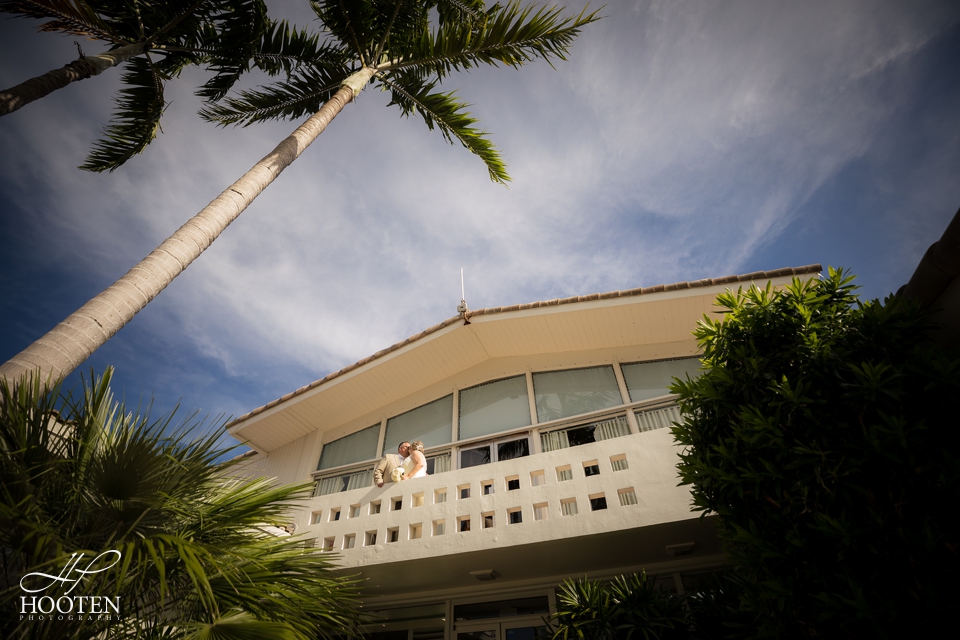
[(706, 282)]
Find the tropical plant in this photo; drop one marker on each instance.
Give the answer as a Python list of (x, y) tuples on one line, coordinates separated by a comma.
[(406, 46), (628, 607), (823, 433), (185, 549), (154, 41)]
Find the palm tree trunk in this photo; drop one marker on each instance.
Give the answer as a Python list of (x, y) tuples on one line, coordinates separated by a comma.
[(72, 341), (80, 69)]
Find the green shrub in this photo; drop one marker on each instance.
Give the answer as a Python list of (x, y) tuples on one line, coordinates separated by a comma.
[(823, 433)]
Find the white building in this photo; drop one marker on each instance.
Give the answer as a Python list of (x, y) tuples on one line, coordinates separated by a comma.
[(544, 427)]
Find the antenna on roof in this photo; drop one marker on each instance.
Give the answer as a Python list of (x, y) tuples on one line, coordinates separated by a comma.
[(462, 307)]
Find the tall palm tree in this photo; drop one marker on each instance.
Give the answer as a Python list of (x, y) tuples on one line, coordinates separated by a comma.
[(155, 41), (390, 42), (189, 550)]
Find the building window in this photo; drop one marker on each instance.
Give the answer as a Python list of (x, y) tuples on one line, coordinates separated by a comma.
[(416, 531), (431, 423), (561, 394), (585, 434), (540, 511), (355, 447), (463, 523), (619, 462), (591, 468), (315, 517), (345, 482), (598, 502), (334, 514), (492, 407), (393, 534), (487, 520), (354, 511), (498, 451), (627, 496), (486, 487), (658, 418), (374, 507), (328, 544), (564, 473), (646, 380), (397, 504), (439, 496), (349, 540), (514, 515), (438, 527), (370, 539), (537, 478), (416, 500), (568, 507), (513, 483)]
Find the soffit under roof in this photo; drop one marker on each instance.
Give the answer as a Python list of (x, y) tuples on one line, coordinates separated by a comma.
[(667, 313)]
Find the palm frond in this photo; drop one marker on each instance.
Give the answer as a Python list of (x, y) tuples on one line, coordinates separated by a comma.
[(301, 94), (412, 93), (135, 121), (511, 35), (75, 17)]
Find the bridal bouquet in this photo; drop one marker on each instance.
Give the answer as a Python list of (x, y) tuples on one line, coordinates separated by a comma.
[(397, 474)]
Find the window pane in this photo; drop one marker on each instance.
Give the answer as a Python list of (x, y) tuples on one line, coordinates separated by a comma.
[(561, 394), (353, 448), (647, 380), (432, 423), (474, 457), (513, 449), (493, 407)]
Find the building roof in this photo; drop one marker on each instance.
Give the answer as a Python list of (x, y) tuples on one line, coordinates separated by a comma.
[(492, 311)]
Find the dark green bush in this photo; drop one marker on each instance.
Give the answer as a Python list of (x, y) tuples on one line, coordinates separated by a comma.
[(825, 436)]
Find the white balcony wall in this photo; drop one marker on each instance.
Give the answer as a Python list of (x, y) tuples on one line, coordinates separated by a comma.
[(651, 459)]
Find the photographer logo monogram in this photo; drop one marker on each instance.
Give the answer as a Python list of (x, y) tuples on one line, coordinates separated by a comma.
[(50, 597)]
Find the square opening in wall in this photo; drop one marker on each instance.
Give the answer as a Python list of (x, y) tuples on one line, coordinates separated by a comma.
[(396, 503), (487, 520), (486, 487), (349, 540), (540, 511), (464, 491), (564, 473), (393, 534), (537, 478), (591, 468), (354, 511), (513, 483), (440, 496), (514, 515), (439, 527), (598, 502), (370, 538), (374, 507), (463, 523), (416, 500), (334, 514), (416, 531), (568, 506), (619, 462), (627, 496), (315, 517), (328, 544)]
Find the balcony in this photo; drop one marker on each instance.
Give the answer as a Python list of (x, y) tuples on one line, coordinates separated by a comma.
[(568, 498)]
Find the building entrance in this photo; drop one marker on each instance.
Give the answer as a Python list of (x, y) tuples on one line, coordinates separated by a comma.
[(526, 628)]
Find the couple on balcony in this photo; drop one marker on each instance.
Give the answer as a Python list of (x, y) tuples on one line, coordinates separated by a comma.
[(409, 459)]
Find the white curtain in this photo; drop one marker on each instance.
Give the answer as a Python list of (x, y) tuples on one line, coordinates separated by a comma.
[(659, 419), (359, 480), (647, 380), (431, 423), (628, 498), (568, 508), (560, 394), (330, 485), (554, 440), (611, 429), (441, 463), (493, 407)]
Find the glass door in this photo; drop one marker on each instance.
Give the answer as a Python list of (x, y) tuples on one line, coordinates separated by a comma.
[(527, 628), (481, 631)]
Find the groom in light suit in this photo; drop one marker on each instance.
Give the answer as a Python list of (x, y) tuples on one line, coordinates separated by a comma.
[(384, 469)]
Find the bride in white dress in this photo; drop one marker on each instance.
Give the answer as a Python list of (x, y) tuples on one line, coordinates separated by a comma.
[(415, 464)]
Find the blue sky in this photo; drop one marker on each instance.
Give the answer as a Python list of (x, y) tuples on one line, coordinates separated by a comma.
[(682, 140)]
